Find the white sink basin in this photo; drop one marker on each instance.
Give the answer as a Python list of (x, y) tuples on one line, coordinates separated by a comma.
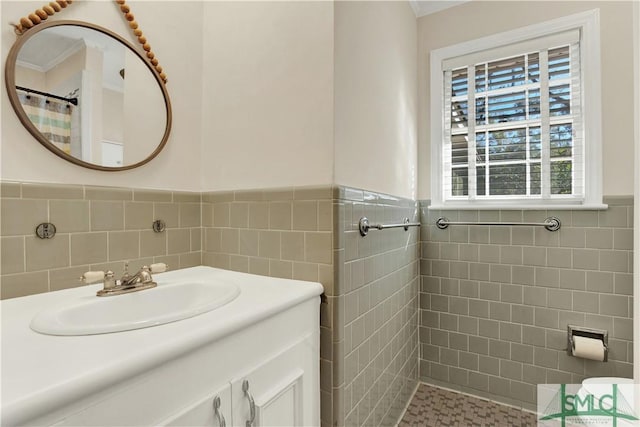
[(142, 309)]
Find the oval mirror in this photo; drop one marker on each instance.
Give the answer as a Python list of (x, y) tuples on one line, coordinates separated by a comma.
[(88, 95)]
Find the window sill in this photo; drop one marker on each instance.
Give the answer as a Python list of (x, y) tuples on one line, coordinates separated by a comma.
[(517, 206)]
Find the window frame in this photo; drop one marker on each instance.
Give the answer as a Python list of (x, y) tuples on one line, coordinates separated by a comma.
[(588, 23)]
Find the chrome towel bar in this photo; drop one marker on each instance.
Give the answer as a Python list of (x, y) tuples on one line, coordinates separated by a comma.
[(365, 226), (551, 223)]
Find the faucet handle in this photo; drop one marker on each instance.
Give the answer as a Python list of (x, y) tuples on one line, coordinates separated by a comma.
[(159, 267), (109, 280), (92, 277), (145, 275)]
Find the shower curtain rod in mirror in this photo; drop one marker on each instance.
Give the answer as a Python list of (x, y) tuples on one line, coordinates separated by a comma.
[(73, 101)]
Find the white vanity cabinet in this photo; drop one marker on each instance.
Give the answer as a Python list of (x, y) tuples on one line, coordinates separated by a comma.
[(214, 410), (277, 389), (271, 394), (170, 375)]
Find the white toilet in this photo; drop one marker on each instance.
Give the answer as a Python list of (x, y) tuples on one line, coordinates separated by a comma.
[(601, 386)]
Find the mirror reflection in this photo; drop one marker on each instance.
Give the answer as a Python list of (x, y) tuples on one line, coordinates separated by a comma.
[(91, 96)]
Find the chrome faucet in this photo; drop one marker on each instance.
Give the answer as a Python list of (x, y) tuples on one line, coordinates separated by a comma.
[(128, 283), (143, 276)]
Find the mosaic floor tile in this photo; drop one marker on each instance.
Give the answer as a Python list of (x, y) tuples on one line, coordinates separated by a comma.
[(433, 406)]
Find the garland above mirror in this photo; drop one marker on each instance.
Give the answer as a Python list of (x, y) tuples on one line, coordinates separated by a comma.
[(53, 7)]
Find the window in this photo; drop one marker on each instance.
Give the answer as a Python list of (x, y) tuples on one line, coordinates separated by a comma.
[(518, 124)]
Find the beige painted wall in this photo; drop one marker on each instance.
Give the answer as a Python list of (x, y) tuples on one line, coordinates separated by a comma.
[(28, 77), (112, 115), (268, 103), (94, 66), (71, 66), (482, 18), (375, 97), (253, 96), (170, 27), (143, 106)]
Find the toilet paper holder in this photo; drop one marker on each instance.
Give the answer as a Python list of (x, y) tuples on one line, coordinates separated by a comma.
[(581, 331)]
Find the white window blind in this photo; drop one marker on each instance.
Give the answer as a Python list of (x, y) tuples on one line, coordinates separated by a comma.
[(513, 122)]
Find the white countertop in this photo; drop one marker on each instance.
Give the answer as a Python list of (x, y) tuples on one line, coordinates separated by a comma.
[(44, 372)]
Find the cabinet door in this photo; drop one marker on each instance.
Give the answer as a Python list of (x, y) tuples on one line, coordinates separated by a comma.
[(282, 390), (203, 412)]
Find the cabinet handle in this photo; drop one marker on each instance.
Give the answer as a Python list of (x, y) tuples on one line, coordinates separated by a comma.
[(217, 412), (252, 404)]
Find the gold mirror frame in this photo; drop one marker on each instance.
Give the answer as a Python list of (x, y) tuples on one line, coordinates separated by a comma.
[(10, 81)]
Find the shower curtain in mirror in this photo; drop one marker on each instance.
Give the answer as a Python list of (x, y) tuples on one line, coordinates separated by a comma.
[(51, 117)]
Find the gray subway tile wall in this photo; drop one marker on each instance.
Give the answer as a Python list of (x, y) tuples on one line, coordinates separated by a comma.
[(495, 301), (369, 343), (378, 281), (285, 232), (479, 309), (278, 232), (98, 228)]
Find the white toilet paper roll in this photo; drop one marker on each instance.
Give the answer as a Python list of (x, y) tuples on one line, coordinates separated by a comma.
[(588, 348)]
